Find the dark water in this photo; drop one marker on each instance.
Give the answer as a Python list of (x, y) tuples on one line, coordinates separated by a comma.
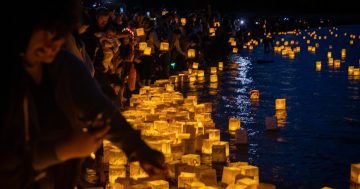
[(321, 135)]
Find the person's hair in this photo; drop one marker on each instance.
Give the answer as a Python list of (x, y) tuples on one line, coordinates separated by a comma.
[(58, 16)]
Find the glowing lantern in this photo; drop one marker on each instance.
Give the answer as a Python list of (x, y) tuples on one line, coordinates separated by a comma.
[(117, 157), (319, 37), (231, 39), (245, 47), (343, 53), (235, 50), (355, 173), (325, 187), (158, 184), (286, 43), (191, 53), (221, 65), (207, 146), (142, 46), (213, 70), (309, 48), (336, 35), (185, 179), (292, 42), (308, 41), (325, 37), (277, 43), (214, 134), (115, 172), (195, 65), (140, 32), (251, 47), (233, 43), (254, 95), (164, 46), (313, 50), (318, 65), (200, 73), (331, 61), (197, 185), (147, 51), (282, 39), (337, 63), (234, 124), (216, 24), (212, 32), (191, 159), (291, 55), (351, 42), (164, 12), (329, 54), (220, 151), (136, 171), (351, 70), (213, 78), (183, 21), (192, 78), (280, 104), (356, 71), (229, 175), (330, 46)]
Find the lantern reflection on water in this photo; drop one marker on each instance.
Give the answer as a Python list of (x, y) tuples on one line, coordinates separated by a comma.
[(185, 179), (281, 117), (280, 104), (164, 46)]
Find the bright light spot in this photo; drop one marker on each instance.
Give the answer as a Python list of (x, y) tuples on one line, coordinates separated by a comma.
[(242, 22)]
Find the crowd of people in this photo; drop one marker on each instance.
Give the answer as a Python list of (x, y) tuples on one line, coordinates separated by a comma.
[(68, 74)]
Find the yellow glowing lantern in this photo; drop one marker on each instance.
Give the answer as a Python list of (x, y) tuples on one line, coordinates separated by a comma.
[(147, 51), (345, 34), (308, 41), (313, 49), (356, 72), (142, 46), (292, 42), (309, 48), (214, 134), (185, 179), (351, 70), (282, 39), (212, 32), (336, 35), (245, 47), (291, 55), (213, 78), (254, 95), (164, 46), (192, 78), (234, 124), (229, 175), (286, 43), (183, 21), (318, 66), (158, 184), (317, 45), (191, 53), (136, 171), (207, 146), (115, 172), (304, 37), (221, 65), (233, 43), (337, 63), (325, 37), (331, 61), (191, 159), (351, 42), (329, 54), (235, 50), (231, 39), (140, 32), (200, 73), (213, 70), (277, 43), (343, 53), (216, 24), (319, 37), (355, 173), (195, 65), (280, 104), (197, 185)]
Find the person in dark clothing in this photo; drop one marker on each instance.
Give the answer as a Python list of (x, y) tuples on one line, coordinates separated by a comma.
[(52, 103)]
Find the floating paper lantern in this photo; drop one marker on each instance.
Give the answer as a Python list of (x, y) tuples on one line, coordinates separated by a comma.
[(291, 55), (185, 179), (318, 65), (164, 12), (254, 95), (212, 32), (231, 39), (140, 32), (213, 78), (214, 134), (213, 70), (158, 184), (233, 43), (192, 78), (355, 173), (142, 46), (221, 65), (329, 54), (147, 51), (115, 172), (280, 104), (337, 63), (191, 159), (195, 65), (351, 70), (343, 53), (197, 185), (220, 151), (308, 41), (235, 50), (229, 175), (234, 124), (117, 156), (331, 61), (200, 73), (216, 24), (183, 21), (136, 171), (191, 53), (351, 42), (164, 46), (356, 71)]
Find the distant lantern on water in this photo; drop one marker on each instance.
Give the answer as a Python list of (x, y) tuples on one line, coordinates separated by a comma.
[(254, 95), (191, 53), (308, 41), (356, 71), (233, 43), (351, 70), (318, 66), (343, 53), (351, 42), (213, 78), (140, 32), (331, 61), (216, 24), (221, 65), (280, 104), (234, 124), (337, 63), (164, 46), (195, 65), (329, 54), (142, 46), (330, 46), (235, 50), (213, 70)]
